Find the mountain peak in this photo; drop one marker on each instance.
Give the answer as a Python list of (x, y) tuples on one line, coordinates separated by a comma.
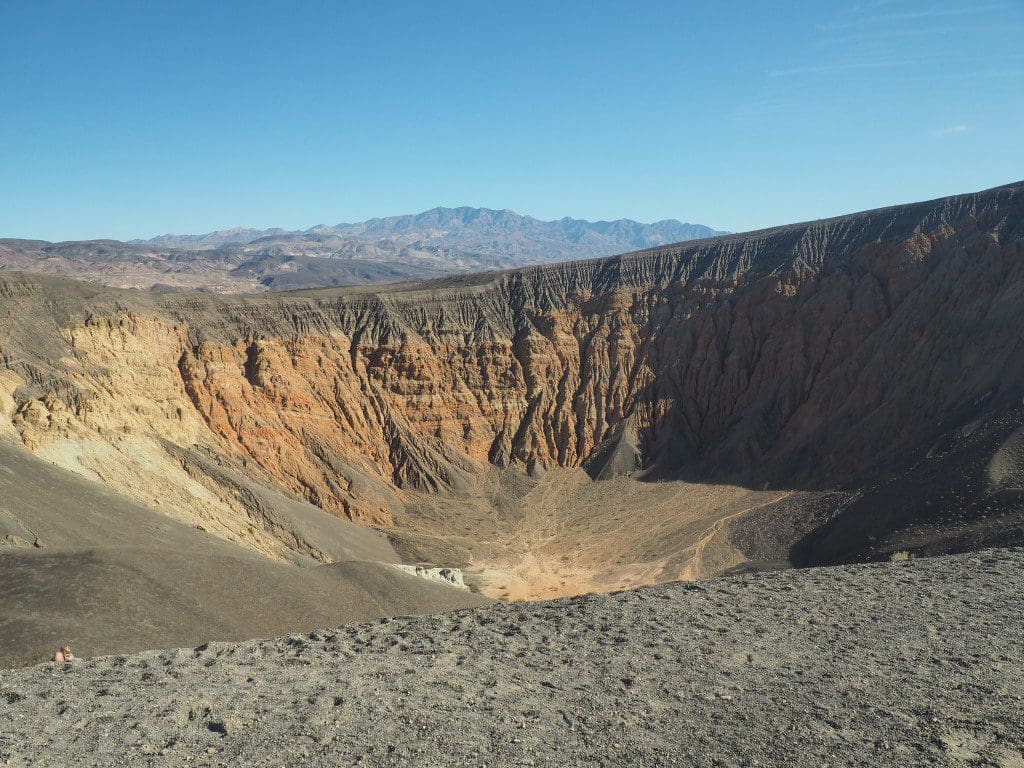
[(500, 237), (436, 242)]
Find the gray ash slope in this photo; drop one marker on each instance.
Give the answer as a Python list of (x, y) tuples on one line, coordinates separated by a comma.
[(82, 565), (914, 664)]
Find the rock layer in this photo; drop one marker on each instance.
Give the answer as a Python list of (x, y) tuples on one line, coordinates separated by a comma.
[(824, 361)]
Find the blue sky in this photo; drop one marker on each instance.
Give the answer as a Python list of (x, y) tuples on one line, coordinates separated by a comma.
[(128, 119)]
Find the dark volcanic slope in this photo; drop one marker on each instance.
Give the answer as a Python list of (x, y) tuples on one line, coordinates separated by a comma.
[(917, 664)]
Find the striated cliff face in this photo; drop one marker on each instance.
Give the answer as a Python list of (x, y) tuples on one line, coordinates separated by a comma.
[(817, 361)]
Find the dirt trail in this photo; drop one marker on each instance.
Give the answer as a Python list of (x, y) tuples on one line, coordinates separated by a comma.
[(694, 570)]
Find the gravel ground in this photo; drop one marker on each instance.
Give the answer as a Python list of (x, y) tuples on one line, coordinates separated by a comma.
[(904, 664)]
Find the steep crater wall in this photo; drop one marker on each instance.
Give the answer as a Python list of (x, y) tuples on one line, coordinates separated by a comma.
[(816, 358)]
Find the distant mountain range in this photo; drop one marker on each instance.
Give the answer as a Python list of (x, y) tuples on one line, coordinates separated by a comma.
[(475, 230), (430, 244)]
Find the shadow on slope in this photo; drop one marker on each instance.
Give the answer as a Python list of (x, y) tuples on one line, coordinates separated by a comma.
[(82, 565), (965, 492)]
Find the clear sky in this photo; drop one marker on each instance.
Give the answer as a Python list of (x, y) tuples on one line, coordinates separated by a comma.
[(131, 119)]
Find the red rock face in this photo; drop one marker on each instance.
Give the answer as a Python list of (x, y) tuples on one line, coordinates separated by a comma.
[(814, 357), (805, 356)]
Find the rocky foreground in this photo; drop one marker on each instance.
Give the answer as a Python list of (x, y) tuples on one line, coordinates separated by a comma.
[(919, 663)]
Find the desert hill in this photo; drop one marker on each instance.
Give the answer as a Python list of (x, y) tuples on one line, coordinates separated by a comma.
[(833, 391)]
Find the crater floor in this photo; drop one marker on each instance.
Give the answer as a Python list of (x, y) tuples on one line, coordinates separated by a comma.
[(909, 664)]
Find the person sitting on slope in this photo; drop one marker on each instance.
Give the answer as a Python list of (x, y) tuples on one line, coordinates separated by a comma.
[(63, 654)]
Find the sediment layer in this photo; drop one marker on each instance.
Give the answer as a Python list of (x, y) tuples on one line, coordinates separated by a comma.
[(819, 363)]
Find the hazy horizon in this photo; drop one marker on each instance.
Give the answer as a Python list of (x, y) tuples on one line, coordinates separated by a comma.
[(153, 236), (133, 122)]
